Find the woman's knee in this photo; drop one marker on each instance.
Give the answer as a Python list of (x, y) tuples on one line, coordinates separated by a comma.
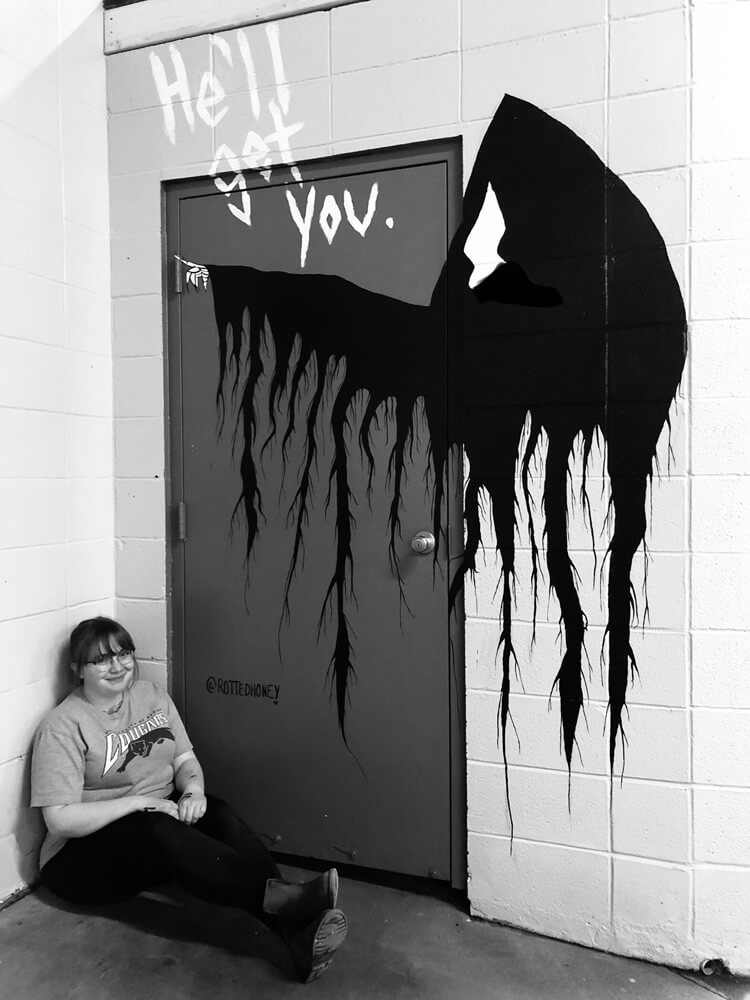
[(160, 825), (220, 814), (218, 806), (101, 877), (154, 833)]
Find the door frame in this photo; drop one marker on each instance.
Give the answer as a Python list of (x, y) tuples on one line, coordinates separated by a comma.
[(449, 152)]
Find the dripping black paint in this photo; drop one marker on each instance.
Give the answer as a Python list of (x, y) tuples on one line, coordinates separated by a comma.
[(579, 335), (293, 306)]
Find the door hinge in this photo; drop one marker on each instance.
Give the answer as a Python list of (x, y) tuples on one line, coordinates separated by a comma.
[(177, 275), (181, 521)]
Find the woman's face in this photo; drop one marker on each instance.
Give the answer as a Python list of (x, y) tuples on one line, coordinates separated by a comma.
[(107, 675)]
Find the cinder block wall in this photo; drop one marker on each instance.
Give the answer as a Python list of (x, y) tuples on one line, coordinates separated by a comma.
[(56, 509), (655, 864), (720, 462)]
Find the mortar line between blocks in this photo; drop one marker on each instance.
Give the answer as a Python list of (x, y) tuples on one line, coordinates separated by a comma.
[(459, 14), (572, 30), (607, 98), (603, 852), (598, 852), (689, 41), (595, 702), (603, 776), (329, 26)]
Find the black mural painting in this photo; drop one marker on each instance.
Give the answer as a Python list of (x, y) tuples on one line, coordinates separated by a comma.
[(579, 334)]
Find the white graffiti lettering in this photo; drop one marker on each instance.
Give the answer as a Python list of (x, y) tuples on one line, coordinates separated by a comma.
[(351, 217), (217, 42), (303, 224), (281, 136), (180, 89), (206, 105), (330, 218), (252, 82), (224, 153), (260, 148), (244, 214)]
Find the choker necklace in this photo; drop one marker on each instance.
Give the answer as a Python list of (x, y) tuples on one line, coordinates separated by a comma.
[(107, 711), (115, 708)]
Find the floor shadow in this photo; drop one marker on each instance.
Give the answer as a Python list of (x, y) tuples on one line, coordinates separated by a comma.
[(171, 914), (413, 884)]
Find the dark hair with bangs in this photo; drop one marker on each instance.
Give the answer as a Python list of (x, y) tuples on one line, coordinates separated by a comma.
[(94, 636)]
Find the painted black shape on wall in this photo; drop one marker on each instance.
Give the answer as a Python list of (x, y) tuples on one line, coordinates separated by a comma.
[(606, 360), (571, 326)]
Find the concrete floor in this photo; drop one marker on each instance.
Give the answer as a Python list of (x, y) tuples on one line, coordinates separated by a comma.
[(402, 945)]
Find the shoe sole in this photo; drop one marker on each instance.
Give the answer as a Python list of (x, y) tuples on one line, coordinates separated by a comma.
[(329, 936)]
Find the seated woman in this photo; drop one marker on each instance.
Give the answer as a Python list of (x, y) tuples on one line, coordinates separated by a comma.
[(123, 799)]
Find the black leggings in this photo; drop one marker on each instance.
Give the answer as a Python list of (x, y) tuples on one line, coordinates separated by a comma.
[(218, 859)]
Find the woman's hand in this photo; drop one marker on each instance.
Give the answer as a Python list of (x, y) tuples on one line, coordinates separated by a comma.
[(191, 806), (188, 779), (149, 803)]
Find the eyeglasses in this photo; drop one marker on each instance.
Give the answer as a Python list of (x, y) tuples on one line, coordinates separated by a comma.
[(123, 656)]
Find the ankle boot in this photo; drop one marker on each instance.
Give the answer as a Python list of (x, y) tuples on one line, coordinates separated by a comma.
[(313, 946), (301, 901)]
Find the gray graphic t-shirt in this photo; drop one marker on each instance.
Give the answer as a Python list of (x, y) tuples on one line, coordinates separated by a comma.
[(82, 754)]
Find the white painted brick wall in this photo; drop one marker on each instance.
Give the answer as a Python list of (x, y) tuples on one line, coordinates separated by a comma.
[(651, 819), (720, 675), (586, 824), (650, 906), (648, 131), (365, 38), (655, 865), (722, 911), (490, 71), (539, 886), (56, 490), (722, 833), (633, 70), (399, 97)]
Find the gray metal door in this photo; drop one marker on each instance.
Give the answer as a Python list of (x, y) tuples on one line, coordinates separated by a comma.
[(375, 777)]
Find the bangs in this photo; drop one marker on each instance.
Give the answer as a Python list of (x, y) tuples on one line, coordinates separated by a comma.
[(97, 636), (114, 641)]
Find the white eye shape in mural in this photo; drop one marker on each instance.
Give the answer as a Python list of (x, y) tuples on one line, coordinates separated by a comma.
[(481, 243)]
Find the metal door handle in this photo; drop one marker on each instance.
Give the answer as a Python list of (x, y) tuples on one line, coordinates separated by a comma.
[(423, 543)]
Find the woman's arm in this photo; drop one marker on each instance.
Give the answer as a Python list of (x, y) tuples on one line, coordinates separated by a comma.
[(188, 779), (78, 819)]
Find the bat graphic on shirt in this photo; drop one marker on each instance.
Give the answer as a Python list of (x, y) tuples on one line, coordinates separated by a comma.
[(143, 746)]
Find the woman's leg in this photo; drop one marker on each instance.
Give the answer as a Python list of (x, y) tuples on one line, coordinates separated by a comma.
[(299, 901), (222, 823), (103, 867), (204, 866), (303, 913), (145, 849)]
